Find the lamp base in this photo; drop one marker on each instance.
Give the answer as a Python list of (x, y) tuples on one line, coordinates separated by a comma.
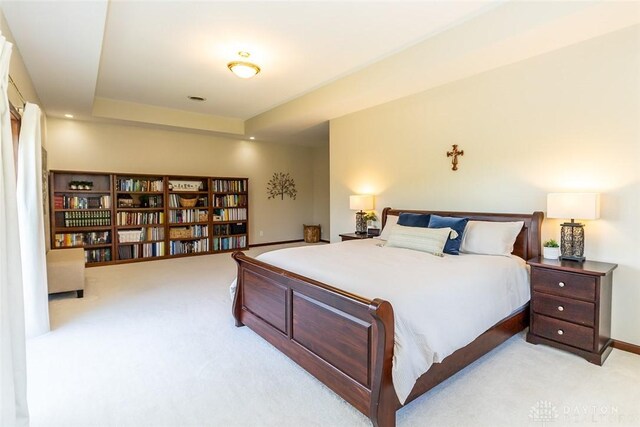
[(572, 241), (361, 223), (572, 258)]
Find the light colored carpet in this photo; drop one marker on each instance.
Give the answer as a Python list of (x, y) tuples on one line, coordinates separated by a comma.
[(154, 344)]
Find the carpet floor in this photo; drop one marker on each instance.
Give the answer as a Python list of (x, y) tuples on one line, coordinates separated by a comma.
[(154, 344)]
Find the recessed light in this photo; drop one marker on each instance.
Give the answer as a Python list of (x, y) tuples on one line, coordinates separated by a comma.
[(197, 98), (252, 138), (69, 116)]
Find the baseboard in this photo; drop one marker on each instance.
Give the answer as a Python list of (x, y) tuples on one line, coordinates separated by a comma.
[(625, 346), (256, 245)]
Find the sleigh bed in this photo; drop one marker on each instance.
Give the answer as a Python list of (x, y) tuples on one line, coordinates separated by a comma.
[(346, 340)]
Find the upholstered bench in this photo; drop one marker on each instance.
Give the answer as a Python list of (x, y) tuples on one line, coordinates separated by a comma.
[(65, 270)]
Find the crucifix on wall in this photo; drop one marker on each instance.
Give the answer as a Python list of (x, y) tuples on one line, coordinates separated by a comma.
[(455, 153)]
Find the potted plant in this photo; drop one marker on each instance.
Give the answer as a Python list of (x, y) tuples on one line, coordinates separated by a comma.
[(551, 249), (370, 217)]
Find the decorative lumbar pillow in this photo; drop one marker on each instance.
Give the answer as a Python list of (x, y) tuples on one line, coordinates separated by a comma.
[(457, 224), (391, 221), (490, 238), (430, 240), (414, 220)]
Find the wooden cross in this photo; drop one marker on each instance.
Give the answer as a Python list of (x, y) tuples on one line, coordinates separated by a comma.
[(455, 153)]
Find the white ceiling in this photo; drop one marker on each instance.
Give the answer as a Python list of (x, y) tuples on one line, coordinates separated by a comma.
[(142, 59)]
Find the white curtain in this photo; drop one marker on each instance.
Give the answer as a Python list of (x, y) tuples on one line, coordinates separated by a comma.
[(31, 219), (13, 375)]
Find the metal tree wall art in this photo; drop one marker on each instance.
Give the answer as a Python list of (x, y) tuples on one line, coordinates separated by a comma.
[(281, 184)]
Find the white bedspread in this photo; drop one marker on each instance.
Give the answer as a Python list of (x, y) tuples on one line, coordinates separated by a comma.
[(440, 304)]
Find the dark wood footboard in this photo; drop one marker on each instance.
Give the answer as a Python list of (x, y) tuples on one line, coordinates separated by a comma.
[(344, 340)]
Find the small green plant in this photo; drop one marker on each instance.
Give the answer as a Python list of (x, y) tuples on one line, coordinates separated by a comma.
[(551, 243), (370, 216)]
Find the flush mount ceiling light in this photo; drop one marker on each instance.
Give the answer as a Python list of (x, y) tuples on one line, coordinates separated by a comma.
[(243, 69)]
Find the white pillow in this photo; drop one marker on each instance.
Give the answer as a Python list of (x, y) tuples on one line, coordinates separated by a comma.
[(490, 238), (430, 240), (391, 221)]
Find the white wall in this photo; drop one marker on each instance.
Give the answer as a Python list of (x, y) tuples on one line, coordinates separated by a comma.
[(568, 120), (321, 189), (87, 146)]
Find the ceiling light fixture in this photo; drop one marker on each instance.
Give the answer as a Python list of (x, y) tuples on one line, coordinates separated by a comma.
[(252, 138), (197, 98), (69, 116), (243, 69)]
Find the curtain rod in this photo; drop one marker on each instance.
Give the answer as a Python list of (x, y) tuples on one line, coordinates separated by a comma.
[(24, 102)]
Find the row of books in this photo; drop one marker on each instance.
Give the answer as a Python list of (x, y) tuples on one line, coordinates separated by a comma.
[(178, 247), (188, 215), (139, 201), (233, 214), (136, 184), (65, 240), (174, 201), (226, 185), (97, 255), (227, 229), (230, 200), (145, 250), (86, 219), (189, 232), (227, 243), (75, 202), (143, 235), (140, 218)]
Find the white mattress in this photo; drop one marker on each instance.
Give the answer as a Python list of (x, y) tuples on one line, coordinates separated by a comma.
[(440, 304)]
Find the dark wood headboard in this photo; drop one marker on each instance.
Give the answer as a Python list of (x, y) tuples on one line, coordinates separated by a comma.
[(528, 244)]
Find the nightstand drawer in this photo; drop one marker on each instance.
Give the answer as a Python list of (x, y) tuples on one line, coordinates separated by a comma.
[(564, 332), (564, 308), (564, 284)]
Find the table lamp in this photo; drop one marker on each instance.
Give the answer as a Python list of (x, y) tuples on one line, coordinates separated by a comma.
[(574, 206), (361, 203)]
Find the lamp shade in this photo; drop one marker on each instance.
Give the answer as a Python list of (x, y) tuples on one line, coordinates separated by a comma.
[(573, 205), (361, 203)]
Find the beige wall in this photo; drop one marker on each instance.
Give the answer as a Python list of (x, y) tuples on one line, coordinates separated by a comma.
[(568, 120), (321, 189), (18, 71), (77, 145)]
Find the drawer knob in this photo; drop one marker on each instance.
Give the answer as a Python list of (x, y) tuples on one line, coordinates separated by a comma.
[(560, 308), (561, 284), (560, 332)]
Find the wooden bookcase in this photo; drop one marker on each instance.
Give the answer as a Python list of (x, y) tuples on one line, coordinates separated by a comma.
[(230, 203), (82, 217), (189, 216), (141, 217)]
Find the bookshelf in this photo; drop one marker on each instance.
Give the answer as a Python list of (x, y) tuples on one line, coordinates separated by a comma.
[(125, 218), (230, 203), (81, 211), (189, 215), (140, 216)]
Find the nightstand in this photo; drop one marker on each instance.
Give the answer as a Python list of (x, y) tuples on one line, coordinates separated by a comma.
[(354, 236), (571, 306)]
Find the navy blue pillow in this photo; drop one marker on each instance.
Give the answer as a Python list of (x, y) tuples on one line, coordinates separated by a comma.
[(452, 246), (414, 220)]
